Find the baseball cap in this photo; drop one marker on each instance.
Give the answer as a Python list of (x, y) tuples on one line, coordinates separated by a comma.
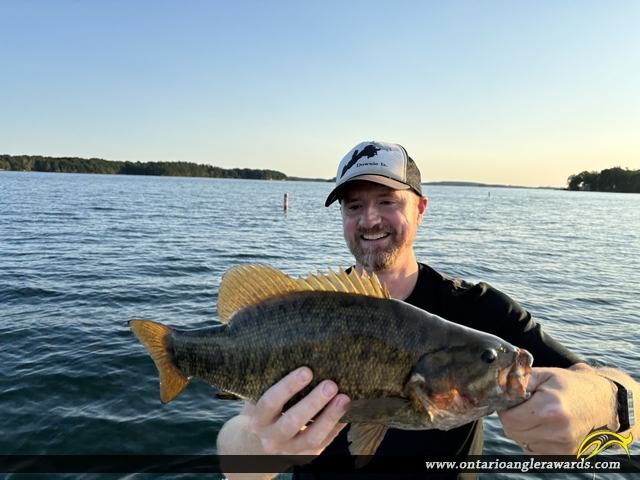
[(378, 162)]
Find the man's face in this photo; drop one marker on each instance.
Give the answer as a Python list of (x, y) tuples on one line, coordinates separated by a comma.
[(380, 223)]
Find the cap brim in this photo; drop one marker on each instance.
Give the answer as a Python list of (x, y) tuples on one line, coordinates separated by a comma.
[(389, 182)]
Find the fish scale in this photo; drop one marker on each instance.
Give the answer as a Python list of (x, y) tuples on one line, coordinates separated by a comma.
[(304, 328)]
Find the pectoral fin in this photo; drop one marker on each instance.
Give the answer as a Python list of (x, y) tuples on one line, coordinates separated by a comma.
[(424, 400), (365, 439)]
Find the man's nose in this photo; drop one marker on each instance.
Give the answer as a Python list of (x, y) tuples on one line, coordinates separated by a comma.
[(370, 216)]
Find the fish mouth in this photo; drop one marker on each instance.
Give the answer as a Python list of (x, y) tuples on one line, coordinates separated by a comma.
[(514, 379)]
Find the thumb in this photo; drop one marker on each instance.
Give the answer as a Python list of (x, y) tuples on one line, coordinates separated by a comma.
[(538, 377)]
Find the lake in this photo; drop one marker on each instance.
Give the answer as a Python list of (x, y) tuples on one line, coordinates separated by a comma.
[(82, 254)]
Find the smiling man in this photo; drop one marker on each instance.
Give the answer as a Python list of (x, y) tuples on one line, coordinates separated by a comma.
[(379, 227), (382, 205), (379, 189)]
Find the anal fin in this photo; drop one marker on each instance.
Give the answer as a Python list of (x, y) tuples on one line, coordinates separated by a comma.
[(365, 439)]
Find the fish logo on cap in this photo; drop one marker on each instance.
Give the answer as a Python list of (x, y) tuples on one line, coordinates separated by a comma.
[(391, 167), (368, 151)]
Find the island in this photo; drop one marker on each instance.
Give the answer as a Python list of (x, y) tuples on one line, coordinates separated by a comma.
[(609, 180)]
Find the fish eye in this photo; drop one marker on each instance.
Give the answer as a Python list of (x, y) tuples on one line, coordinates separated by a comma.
[(489, 355)]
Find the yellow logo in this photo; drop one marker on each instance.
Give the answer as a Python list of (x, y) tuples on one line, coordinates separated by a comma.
[(603, 438)]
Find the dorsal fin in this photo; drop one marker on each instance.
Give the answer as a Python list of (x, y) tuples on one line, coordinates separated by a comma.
[(344, 282), (247, 285)]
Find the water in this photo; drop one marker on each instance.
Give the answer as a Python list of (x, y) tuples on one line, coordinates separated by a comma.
[(82, 254)]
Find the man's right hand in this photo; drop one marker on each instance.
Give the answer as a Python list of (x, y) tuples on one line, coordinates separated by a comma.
[(285, 433)]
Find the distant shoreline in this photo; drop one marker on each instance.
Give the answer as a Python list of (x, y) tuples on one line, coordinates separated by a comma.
[(485, 185), (37, 163), (609, 180), (318, 180), (31, 163)]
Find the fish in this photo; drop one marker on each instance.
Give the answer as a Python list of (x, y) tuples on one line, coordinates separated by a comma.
[(401, 366)]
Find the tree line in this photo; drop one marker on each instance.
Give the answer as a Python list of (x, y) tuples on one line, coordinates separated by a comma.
[(609, 180), (31, 163)]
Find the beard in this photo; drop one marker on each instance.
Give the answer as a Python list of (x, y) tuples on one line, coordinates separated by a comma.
[(378, 258)]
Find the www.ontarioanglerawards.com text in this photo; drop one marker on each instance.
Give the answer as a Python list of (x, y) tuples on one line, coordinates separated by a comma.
[(532, 465)]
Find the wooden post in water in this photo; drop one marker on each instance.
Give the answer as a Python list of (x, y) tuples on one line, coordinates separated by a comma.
[(286, 202)]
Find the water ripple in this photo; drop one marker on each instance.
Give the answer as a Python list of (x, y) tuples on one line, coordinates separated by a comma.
[(82, 254)]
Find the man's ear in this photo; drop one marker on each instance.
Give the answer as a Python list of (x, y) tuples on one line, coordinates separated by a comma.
[(422, 207)]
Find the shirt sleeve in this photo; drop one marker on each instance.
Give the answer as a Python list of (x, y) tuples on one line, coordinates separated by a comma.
[(487, 309)]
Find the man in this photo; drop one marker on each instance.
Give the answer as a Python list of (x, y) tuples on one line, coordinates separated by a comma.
[(379, 189)]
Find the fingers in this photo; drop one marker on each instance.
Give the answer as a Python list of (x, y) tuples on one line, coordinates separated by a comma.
[(547, 423), (316, 436), (526, 416), (283, 433), (326, 427), (306, 409), (521, 418), (269, 407), (538, 377)]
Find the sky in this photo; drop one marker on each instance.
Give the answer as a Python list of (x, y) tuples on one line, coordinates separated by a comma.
[(510, 92)]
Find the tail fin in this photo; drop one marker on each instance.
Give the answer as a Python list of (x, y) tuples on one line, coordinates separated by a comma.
[(154, 337)]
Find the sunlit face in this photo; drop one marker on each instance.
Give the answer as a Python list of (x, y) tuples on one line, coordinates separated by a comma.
[(380, 223)]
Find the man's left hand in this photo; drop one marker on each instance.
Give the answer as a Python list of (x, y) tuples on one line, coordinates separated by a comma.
[(564, 407)]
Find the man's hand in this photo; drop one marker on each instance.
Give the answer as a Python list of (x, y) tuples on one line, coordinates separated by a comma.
[(285, 433), (565, 406), (264, 429)]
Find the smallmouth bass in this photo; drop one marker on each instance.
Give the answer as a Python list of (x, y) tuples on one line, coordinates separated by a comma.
[(402, 367)]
